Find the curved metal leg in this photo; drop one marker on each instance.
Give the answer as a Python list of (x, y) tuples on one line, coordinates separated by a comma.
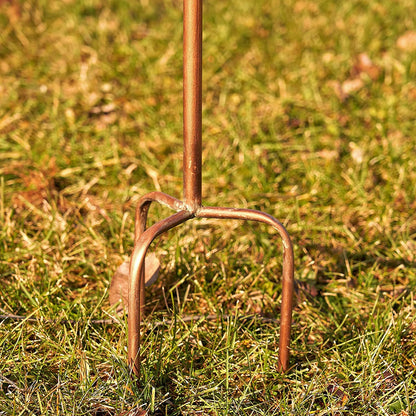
[(288, 268), (143, 239), (136, 281), (143, 206), (142, 211)]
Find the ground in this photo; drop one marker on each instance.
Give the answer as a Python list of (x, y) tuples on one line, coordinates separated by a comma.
[(308, 114)]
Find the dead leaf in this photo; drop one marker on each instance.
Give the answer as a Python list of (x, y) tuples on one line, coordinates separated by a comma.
[(392, 290), (119, 287), (338, 393), (94, 204), (364, 65), (345, 89), (351, 85), (388, 381), (12, 10), (103, 109), (357, 153), (38, 183), (304, 290), (407, 42), (21, 199), (328, 154)]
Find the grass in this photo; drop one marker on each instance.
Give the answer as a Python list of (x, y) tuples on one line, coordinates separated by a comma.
[(294, 124)]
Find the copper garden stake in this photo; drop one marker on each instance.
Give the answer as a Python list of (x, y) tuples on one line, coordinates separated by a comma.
[(192, 206)]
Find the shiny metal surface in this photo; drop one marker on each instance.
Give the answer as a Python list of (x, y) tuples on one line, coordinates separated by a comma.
[(136, 283), (288, 268), (192, 102), (192, 207)]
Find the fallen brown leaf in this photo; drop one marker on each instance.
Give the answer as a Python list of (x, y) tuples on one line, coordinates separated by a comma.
[(338, 393), (38, 183), (328, 154), (407, 42), (364, 65), (388, 381), (357, 153), (351, 85), (304, 290), (119, 287), (13, 11)]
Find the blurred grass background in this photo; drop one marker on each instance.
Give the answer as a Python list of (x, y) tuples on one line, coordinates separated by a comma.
[(309, 115)]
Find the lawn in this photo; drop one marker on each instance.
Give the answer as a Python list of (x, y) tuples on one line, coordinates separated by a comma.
[(308, 114)]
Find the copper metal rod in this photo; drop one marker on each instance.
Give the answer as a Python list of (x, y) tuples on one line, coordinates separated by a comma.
[(136, 283), (288, 268), (143, 241), (144, 205), (192, 205), (192, 102)]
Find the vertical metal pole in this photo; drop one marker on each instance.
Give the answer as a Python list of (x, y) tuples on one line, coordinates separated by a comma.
[(192, 102)]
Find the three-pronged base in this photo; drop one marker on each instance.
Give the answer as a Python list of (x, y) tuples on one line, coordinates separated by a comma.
[(144, 237)]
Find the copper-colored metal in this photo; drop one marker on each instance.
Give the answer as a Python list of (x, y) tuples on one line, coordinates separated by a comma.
[(192, 206), (192, 102), (144, 205), (288, 268), (136, 283)]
